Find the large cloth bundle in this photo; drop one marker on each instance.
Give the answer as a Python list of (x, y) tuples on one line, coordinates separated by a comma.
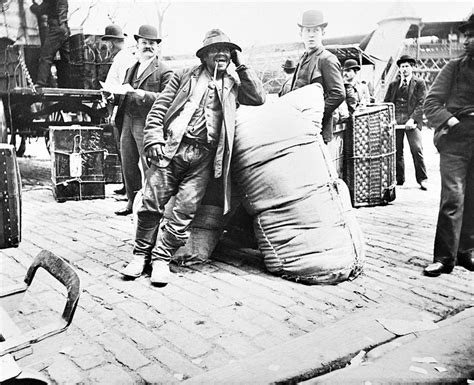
[(302, 213)]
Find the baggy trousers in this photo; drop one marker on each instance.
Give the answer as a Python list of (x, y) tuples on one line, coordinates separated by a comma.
[(416, 149), (57, 39), (455, 228), (131, 148), (187, 177)]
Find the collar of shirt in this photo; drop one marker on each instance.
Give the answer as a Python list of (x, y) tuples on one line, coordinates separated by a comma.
[(315, 51), (143, 66), (407, 79)]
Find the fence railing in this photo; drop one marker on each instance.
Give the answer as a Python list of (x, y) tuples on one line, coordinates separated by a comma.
[(434, 50)]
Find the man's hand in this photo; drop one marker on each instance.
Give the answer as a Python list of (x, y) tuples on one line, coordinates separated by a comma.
[(410, 124), (236, 58), (155, 152)]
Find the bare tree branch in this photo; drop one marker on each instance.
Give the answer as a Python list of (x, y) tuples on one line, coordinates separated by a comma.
[(92, 4)]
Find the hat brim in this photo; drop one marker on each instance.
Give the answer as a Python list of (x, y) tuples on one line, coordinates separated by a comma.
[(108, 37), (356, 67), (158, 40), (231, 46), (401, 61), (324, 25)]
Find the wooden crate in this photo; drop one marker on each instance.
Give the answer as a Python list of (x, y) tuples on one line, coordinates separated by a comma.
[(82, 144), (370, 160), (10, 187)]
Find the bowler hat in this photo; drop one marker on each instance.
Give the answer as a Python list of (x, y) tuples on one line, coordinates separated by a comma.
[(351, 64), (113, 31), (147, 32), (406, 59), (313, 18), (468, 24), (288, 65), (215, 37)]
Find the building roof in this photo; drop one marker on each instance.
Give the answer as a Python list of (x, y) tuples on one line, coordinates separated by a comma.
[(440, 29)]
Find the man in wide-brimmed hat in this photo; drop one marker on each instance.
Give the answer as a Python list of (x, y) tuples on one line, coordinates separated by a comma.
[(357, 93), (408, 93), (319, 65), (449, 108), (289, 68), (188, 139), (146, 79)]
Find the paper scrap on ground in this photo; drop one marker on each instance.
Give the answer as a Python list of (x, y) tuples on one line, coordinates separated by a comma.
[(441, 369), (426, 360), (116, 89), (357, 360), (401, 327), (417, 369)]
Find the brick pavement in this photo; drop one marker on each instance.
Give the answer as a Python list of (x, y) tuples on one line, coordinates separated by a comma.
[(211, 315)]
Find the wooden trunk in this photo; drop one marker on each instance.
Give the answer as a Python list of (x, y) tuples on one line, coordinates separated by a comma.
[(77, 155), (10, 214), (113, 167)]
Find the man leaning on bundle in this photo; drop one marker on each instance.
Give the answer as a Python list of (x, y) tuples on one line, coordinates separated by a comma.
[(189, 136)]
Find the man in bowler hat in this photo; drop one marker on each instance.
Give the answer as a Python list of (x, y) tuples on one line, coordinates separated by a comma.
[(449, 108), (357, 93), (189, 137), (408, 94), (122, 59), (319, 65), (147, 78), (289, 68)]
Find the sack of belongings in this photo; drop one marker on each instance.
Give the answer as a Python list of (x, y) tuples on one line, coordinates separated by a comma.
[(302, 213)]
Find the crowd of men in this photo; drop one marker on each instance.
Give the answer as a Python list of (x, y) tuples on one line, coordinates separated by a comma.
[(176, 129)]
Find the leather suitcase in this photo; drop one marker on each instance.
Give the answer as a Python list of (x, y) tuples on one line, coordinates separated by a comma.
[(10, 183)]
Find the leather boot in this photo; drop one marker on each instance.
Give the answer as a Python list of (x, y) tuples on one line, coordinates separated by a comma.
[(145, 238), (135, 268), (466, 260), (161, 274)]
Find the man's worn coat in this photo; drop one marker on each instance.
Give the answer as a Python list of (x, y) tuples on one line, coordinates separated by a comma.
[(247, 90)]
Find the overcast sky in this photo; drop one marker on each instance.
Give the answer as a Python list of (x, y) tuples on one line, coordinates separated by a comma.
[(250, 23)]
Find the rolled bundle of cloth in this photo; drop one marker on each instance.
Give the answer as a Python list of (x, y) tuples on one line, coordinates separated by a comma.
[(302, 213)]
